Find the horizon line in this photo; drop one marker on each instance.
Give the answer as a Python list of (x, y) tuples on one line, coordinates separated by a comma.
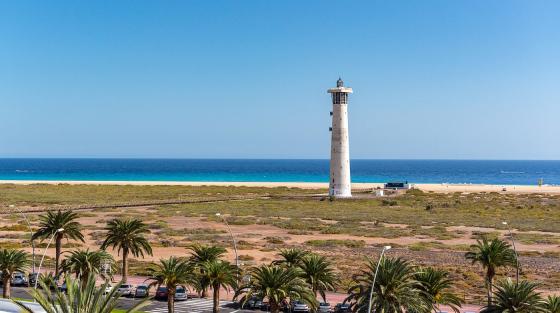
[(271, 159)]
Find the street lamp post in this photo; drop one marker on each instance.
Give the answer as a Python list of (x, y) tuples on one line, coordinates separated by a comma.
[(232, 238), (44, 253), (375, 277), (30, 234), (516, 255)]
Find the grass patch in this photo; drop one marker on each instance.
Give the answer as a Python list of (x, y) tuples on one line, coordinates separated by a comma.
[(336, 243), (531, 238), (14, 227)]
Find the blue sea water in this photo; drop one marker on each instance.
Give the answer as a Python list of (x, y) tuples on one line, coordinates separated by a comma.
[(240, 170)]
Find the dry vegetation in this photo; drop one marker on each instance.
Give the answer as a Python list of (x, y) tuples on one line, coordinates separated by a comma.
[(429, 228)]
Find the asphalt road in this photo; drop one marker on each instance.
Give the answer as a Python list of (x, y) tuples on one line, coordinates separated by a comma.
[(194, 305)]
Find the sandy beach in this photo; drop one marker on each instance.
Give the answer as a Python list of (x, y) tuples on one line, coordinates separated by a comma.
[(440, 188)]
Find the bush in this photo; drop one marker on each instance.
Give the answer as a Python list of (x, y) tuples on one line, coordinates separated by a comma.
[(386, 202), (274, 240)]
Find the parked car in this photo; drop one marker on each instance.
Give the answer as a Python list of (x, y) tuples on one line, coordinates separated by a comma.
[(325, 307), (161, 293), (19, 279), (141, 291), (301, 307), (32, 278), (108, 288), (342, 308), (265, 306), (250, 304), (257, 305), (180, 294), (126, 290)]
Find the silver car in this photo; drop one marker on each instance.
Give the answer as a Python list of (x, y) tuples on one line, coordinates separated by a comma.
[(300, 307), (180, 294), (19, 279), (141, 291), (325, 307), (126, 290)]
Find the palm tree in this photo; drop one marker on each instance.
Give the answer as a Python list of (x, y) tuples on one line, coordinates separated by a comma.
[(552, 304), (277, 284), (11, 261), (86, 262), (200, 255), (220, 275), (128, 236), (436, 288), (64, 225), (318, 273), (511, 297), (79, 298), (491, 255), (395, 289), (291, 257), (171, 273)]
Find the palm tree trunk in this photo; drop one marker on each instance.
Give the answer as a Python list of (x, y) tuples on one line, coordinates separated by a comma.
[(125, 265), (216, 307), (58, 248), (490, 288), (274, 307), (6, 291), (170, 301)]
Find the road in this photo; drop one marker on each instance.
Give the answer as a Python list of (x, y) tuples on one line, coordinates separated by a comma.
[(194, 305)]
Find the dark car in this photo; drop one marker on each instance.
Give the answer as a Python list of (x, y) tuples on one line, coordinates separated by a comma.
[(162, 293), (32, 278), (342, 308)]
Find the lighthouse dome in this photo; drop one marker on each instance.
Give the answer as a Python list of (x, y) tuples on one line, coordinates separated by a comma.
[(339, 82)]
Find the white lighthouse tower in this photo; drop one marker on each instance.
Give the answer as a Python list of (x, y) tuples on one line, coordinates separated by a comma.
[(340, 183)]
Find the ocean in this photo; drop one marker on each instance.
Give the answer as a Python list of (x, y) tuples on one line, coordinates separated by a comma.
[(265, 170)]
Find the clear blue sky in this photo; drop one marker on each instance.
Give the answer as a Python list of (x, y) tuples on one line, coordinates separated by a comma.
[(248, 79)]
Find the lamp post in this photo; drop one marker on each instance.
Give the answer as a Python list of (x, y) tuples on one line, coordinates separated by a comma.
[(30, 234), (232, 238), (516, 255), (44, 253), (375, 277)]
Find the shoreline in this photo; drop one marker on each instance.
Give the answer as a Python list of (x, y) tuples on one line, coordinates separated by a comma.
[(440, 188)]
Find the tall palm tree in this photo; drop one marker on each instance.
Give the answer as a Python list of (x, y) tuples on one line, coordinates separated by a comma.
[(171, 273), (127, 236), (220, 275), (61, 224), (318, 273), (79, 298), (395, 288), (511, 297), (11, 261), (277, 284), (200, 255), (552, 304), (491, 255), (291, 257), (85, 262), (436, 288)]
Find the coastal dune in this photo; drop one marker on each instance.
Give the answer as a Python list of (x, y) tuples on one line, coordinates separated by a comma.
[(440, 188)]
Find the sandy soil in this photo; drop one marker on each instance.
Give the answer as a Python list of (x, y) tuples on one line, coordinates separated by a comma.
[(515, 189)]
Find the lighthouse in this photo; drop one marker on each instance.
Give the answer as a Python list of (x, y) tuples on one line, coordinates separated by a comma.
[(340, 183)]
